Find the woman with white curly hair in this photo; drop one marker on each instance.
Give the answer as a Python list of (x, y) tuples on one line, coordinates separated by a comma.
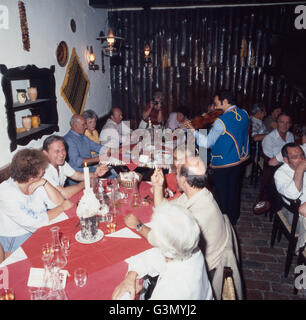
[(176, 259)]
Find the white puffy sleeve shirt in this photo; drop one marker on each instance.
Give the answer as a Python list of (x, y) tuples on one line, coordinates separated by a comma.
[(272, 143), (178, 280), (21, 213), (285, 185), (58, 178)]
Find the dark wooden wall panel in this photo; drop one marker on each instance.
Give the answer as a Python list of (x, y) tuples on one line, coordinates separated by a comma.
[(196, 52)]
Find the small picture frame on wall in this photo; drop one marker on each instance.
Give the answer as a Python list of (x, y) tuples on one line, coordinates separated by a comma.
[(73, 25)]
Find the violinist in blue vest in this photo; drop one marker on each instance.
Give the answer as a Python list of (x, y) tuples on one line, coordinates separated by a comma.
[(229, 143)]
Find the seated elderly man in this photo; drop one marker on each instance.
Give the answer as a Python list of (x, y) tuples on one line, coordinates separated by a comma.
[(290, 181), (278, 159), (176, 258), (27, 201), (58, 170), (259, 130), (115, 132), (272, 144), (80, 146), (271, 120), (216, 231)]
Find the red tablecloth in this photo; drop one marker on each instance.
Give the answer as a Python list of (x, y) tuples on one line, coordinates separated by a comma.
[(103, 260)]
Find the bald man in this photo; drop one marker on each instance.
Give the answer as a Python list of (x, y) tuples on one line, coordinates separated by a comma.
[(201, 204), (80, 146), (115, 131)]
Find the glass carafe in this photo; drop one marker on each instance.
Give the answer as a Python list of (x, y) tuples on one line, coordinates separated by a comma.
[(114, 198), (52, 287), (59, 259), (100, 192)]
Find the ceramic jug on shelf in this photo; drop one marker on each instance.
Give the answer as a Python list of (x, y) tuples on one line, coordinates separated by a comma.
[(32, 92), (21, 95), (27, 122), (35, 121)]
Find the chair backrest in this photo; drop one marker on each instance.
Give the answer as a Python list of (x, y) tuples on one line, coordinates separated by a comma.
[(4, 173), (228, 290), (293, 207)]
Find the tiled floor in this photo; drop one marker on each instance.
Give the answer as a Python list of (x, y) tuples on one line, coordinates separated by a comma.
[(262, 266)]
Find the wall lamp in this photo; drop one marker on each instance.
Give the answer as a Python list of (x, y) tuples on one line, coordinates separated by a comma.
[(91, 59), (147, 54)]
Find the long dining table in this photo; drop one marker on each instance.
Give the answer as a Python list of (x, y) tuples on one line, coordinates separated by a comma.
[(104, 260)]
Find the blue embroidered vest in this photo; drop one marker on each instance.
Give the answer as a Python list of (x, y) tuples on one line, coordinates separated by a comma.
[(232, 147)]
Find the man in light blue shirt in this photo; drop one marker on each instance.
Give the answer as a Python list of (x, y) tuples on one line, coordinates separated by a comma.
[(80, 146)]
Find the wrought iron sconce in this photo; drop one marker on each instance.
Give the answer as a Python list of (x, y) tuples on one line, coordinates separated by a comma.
[(91, 60), (113, 45)]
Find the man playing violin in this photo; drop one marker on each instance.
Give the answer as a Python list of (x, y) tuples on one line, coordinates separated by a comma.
[(229, 143)]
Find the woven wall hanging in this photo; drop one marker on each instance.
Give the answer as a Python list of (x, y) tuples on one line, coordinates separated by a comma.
[(76, 85)]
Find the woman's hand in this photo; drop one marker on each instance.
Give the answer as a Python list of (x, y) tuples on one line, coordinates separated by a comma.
[(127, 285)]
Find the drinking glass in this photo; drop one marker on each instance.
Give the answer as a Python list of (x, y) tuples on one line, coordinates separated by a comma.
[(125, 198), (38, 293), (111, 224), (80, 277)]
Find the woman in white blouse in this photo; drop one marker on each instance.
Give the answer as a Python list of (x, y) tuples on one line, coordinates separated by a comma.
[(176, 259)]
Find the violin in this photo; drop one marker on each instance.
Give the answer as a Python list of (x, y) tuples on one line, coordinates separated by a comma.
[(203, 122)]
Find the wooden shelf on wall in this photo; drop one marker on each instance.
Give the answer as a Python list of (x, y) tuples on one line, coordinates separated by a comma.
[(45, 106)]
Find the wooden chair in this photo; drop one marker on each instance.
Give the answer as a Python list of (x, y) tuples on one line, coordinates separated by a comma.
[(228, 290), (282, 227), (256, 170), (4, 173)]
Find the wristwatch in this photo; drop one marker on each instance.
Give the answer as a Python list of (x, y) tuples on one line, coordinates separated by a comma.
[(138, 227)]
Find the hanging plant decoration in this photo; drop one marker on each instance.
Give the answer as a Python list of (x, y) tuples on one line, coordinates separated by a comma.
[(24, 26)]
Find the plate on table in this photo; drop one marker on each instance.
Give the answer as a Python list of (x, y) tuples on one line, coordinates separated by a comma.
[(99, 235)]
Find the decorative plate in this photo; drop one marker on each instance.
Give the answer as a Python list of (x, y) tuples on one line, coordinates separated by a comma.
[(62, 53), (99, 235)]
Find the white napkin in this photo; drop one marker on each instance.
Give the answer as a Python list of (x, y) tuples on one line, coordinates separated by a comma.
[(36, 278), (124, 233), (16, 256)]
